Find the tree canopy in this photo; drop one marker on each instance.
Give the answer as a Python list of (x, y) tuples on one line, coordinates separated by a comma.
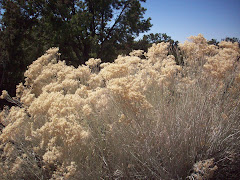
[(147, 40), (81, 29)]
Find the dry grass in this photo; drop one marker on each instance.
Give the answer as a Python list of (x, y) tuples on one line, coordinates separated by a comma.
[(135, 119)]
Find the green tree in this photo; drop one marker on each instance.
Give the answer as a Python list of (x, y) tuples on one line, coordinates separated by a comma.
[(15, 40), (84, 29), (147, 40), (213, 42)]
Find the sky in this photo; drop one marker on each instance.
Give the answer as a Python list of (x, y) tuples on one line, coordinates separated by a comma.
[(215, 19)]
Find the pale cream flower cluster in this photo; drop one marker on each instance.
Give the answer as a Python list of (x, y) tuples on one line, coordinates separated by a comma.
[(64, 107), (4, 94), (203, 170), (223, 62), (209, 61), (196, 49), (93, 62)]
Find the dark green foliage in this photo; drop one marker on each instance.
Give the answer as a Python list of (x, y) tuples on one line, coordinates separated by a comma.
[(147, 40), (84, 29), (213, 42), (233, 39), (16, 44)]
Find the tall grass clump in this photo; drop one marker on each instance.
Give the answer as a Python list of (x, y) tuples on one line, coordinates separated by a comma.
[(140, 117)]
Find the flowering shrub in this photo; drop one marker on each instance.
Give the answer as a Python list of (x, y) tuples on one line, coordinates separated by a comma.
[(140, 117), (203, 170)]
